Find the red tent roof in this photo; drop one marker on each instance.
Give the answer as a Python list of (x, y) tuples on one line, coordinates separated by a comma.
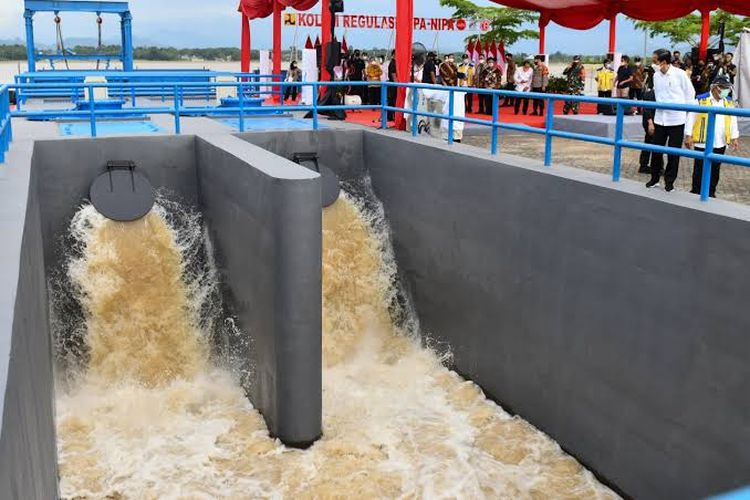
[(585, 14)]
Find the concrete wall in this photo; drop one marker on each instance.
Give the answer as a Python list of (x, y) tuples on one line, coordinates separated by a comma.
[(264, 216), (28, 455), (66, 169), (609, 316)]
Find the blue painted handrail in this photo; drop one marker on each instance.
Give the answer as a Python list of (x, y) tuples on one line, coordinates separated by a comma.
[(251, 83), (6, 132)]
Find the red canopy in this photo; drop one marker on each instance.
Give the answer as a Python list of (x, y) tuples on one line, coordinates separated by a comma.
[(585, 14)]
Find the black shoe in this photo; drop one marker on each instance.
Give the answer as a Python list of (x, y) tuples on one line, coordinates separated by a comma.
[(669, 187), (693, 191), (652, 183)]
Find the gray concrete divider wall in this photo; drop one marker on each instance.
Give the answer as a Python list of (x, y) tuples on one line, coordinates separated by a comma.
[(265, 220), (611, 317), (28, 453)]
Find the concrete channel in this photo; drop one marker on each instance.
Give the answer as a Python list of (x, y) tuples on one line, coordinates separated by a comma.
[(610, 317)]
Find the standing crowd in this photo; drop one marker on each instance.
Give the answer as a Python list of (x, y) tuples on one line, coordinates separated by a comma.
[(672, 79)]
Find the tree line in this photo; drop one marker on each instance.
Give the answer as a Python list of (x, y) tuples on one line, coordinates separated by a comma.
[(17, 52)]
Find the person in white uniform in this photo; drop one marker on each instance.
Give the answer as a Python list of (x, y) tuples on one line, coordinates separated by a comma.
[(671, 86), (726, 132)]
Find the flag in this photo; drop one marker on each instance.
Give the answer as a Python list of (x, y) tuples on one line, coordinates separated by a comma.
[(344, 46), (501, 60), (470, 49), (317, 42), (308, 43), (477, 51), (492, 50)]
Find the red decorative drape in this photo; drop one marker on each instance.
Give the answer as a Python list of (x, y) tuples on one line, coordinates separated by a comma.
[(256, 9), (299, 4), (245, 45), (404, 41)]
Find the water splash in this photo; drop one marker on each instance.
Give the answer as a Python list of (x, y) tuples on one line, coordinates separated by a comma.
[(397, 423)]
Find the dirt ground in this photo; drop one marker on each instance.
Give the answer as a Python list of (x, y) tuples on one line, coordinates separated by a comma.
[(734, 184)]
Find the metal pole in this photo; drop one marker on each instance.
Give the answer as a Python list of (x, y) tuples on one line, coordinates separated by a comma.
[(383, 104), (92, 113), (315, 106), (707, 163), (241, 98), (176, 111), (617, 157), (127, 42), (495, 124), (549, 122), (30, 49), (414, 118), (451, 99)]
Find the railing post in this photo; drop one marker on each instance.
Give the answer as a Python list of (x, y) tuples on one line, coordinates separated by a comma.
[(176, 111), (383, 105), (92, 113), (451, 99), (241, 99), (495, 121), (549, 123), (709, 149), (414, 117), (4, 115), (617, 157), (315, 106), (8, 126), (132, 95)]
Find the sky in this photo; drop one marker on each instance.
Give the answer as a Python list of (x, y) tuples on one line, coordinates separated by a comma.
[(212, 23)]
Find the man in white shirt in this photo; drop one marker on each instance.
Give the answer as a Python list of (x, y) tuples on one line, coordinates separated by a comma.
[(726, 131), (671, 86)]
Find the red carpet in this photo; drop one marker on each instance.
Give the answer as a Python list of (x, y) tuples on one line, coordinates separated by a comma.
[(372, 117)]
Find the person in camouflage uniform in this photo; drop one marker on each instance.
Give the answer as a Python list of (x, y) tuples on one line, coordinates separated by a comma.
[(576, 76)]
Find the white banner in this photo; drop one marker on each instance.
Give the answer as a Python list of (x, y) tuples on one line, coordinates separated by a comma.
[(265, 68), (742, 82), (309, 74)]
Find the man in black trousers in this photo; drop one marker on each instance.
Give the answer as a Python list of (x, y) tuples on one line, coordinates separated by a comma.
[(671, 86)]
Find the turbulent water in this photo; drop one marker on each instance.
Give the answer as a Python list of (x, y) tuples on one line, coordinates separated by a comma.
[(154, 415)]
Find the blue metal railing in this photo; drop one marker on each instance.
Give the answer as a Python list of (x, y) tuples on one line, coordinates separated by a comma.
[(6, 132), (160, 83), (248, 83)]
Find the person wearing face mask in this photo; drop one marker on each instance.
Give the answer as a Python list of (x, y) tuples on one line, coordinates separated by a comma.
[(671, 86), (524, 76), (699, 76), (429, 73), (510, 80), (726, 132), (479, 72), (449, 71), (491, 79), (293, 75), (605, 79), (638, 83), (575, 74), (539, 82), (466, 79)]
